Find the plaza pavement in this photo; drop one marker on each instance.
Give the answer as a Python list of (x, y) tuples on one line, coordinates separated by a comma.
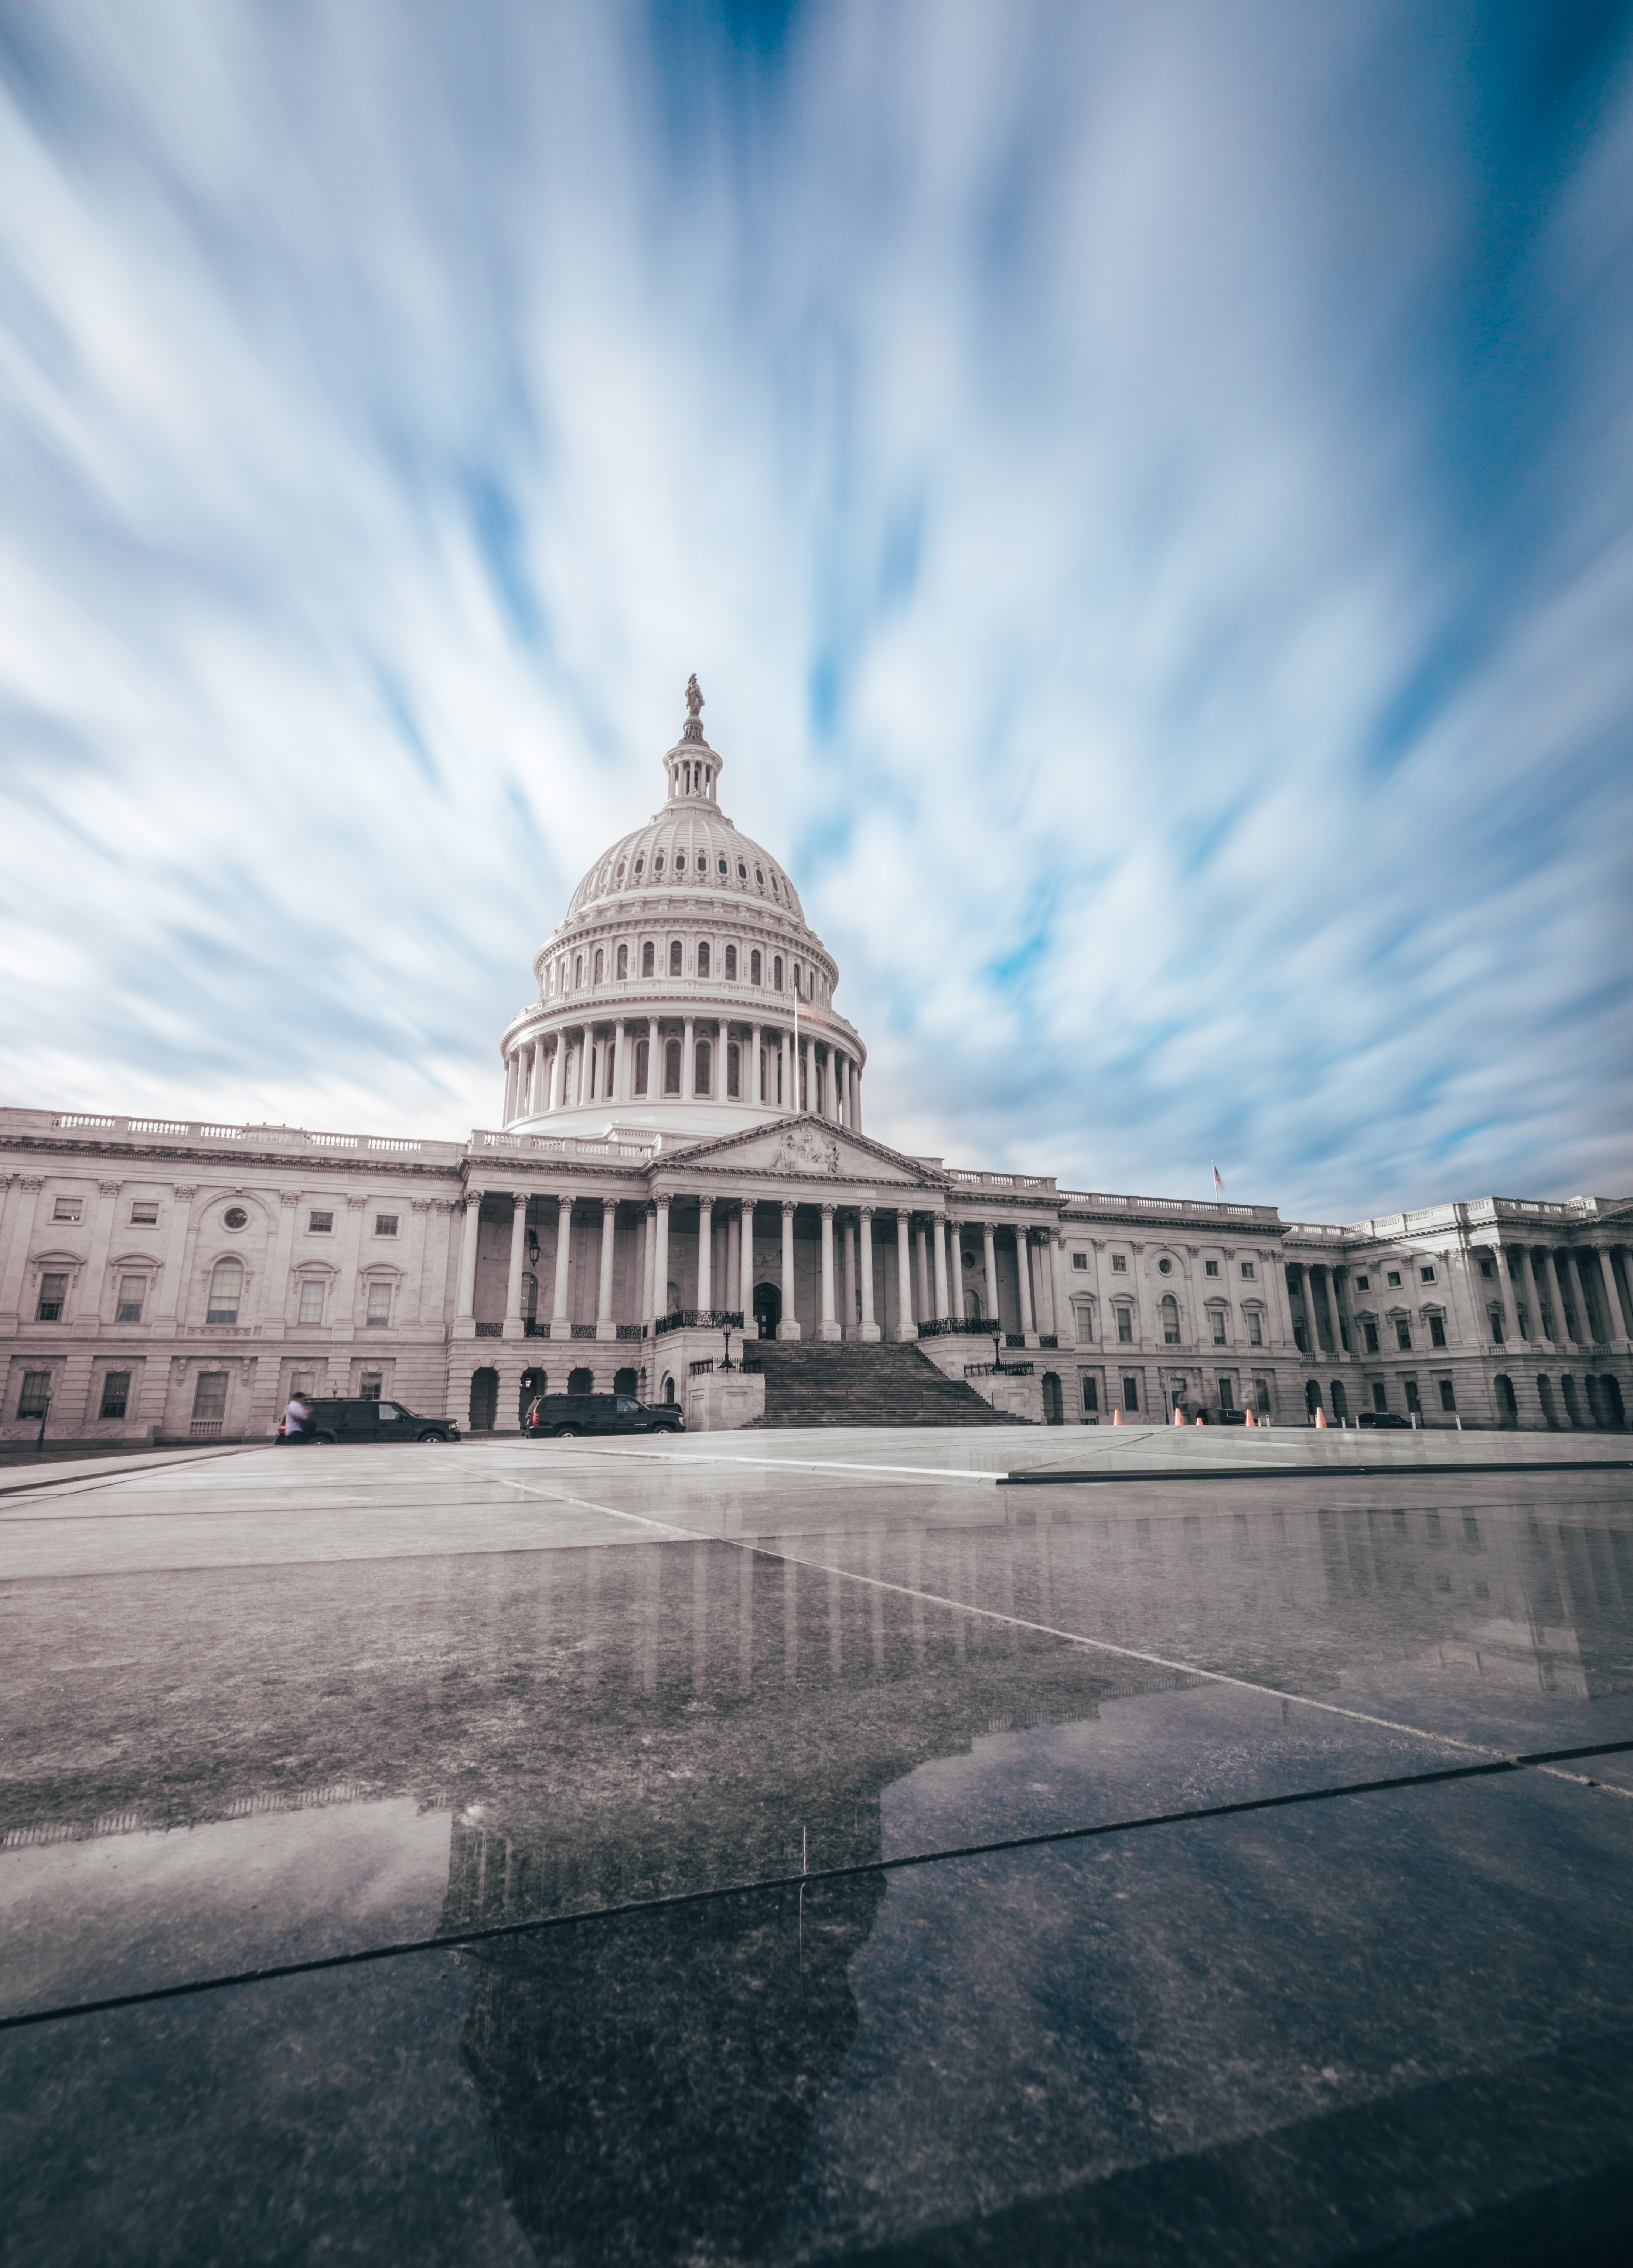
[(1134, 1844)]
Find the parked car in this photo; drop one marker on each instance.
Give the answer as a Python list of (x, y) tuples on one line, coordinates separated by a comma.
[(564, 1416), (357, 1420), (1392, 1418)]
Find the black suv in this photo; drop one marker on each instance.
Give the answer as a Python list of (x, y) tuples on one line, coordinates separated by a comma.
[(564, 1416), (1391, 1418), (376, 1421)]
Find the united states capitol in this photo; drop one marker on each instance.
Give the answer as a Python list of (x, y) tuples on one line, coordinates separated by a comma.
[(681, 1201)]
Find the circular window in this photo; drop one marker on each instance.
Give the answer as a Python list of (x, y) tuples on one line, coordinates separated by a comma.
[(235, 1217), (1164, 1267), (679, 862), (760, 878), (742, 872)]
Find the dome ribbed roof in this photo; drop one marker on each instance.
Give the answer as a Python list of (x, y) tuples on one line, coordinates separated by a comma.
[(685, 848)]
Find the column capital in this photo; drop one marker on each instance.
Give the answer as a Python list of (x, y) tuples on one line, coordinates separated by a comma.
[(828, 1211), (517, 1197), (789, 1206), (609, 1204), (661, 1203), (355, 1205), (706, 1203), (38, 1181), (866, 1212), (289, 1197), (109, 1189)]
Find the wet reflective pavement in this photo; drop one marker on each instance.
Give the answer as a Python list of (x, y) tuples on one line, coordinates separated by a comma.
[(817, 1852)]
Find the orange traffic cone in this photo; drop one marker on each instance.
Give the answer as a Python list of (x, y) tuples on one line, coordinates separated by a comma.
[(1116, 1417), (1252, 1420), (1201, 1421), (1321, 1418), (1179, 1415)]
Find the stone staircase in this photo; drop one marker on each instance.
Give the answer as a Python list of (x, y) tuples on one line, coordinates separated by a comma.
[(863, 1382)]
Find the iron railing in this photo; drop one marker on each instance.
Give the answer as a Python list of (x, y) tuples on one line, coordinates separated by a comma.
[(940, 1326), (700, 1319), (490, 1331)]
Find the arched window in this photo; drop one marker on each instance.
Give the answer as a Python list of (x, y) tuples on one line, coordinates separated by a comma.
[(674, 957), (701, 1067), (703, 961), (623, 962), (641, 1066), (1169, 1308), (672, 1067), (657, 864), (669, 1391), (733, 1072), (578, 968), (754, 968), (795, 973), (776, 972), (679, 862), (649, 954), (226, 1288), (599, 964), (730, 964)]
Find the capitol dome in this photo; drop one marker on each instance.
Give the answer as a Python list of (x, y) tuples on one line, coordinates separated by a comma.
[(668, 996)]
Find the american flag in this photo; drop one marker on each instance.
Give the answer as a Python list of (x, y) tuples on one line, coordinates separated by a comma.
[(1218, 1185)]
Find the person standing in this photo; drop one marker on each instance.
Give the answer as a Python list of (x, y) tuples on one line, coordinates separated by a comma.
[(298, 1418)]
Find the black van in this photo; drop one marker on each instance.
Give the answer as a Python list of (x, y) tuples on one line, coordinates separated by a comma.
[(564, 1416), (376, 1421)]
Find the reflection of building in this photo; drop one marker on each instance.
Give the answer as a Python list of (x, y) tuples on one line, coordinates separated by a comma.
[(681, 1145)]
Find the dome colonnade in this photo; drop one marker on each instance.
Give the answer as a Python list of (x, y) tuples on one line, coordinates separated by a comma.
[(684, 992)]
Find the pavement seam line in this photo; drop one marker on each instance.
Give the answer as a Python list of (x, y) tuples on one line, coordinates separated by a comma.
[(1498, 1767)]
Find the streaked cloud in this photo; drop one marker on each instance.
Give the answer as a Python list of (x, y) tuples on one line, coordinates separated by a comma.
[(1148, 494)]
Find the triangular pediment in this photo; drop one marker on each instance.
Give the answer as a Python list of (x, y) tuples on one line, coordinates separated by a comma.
[(810, 1149)]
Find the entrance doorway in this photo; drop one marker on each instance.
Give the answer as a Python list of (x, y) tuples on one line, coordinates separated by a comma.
[(484, 1399), (1053, 1414), (580, 1381), (624, 1383), (768, 1310)]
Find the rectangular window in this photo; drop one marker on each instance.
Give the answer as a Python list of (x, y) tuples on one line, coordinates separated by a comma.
[(311, 1299), (1125, 1326), (1394, 1279), (68, 1208), (145, 1213), (1448, 1400), (1403, 1334), (210, 1397), (1369, 1331), (35, 1397), (1256, 1328), (1496, 1314), (1080, 1262), (369, 1384), (730, 964), (734, 1070), (1363, 1283), (641, 1059), (52, 1292), (1380, 1394), (130, 1290), (1247, 1271), (1119, 1263), (1486, 1269), (1437, 1331), (379, 1304), (1091, 1394), (1083, 1323), (1210, 1267), (1261, 1396), (701, 1067), (1227, 1395), (115, 1393), (1218, 1327), (320, 1224), (1425, 1275), (1414, 1406), (1130, 1393), (386, 1224), (301, 1381)]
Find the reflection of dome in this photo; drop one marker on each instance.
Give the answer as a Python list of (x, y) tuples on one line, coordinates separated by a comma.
[(666, 997)]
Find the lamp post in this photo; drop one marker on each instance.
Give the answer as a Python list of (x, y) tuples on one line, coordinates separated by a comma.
[(44, 1411)]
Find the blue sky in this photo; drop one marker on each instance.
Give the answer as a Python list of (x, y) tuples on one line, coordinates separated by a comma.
[(1148, 493)]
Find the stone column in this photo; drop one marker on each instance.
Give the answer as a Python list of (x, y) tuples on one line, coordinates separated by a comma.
[(1506, 1291), (604, 1327), (465, 1325), (87, 1292), (559, 1318), (1612, 1305), (990, 1264), (1048, 1321), (789, 1328), (688, 1060), (1565, 1336), (1023, 1277), (654, 1067), (513, 1327), (864, 1239), (558, 1064), (745, 1264), (660, 1262), (276, 1304), (938, 1237), (855, 1099), (1617, 1255), (734, 1242), (1526, 1288), (906, 1328), (705, 1252), (830, 1329), (850, 1278), (920, 1272), (751, 1086), (649, 1224), (955, 1270)]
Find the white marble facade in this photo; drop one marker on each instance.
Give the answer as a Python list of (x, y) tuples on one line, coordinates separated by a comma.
[(681, 1149)]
